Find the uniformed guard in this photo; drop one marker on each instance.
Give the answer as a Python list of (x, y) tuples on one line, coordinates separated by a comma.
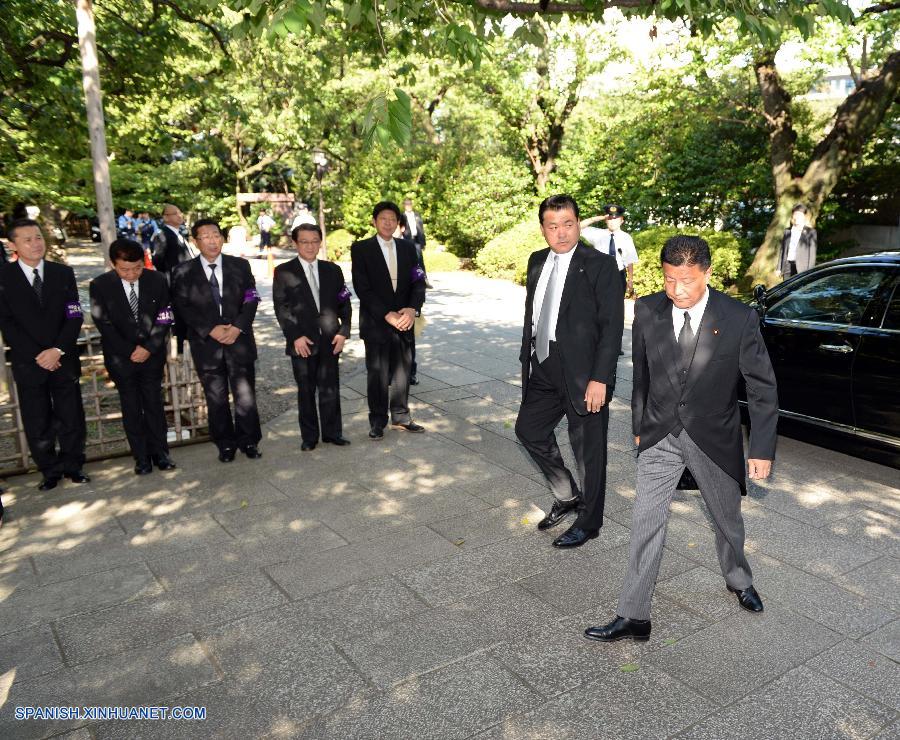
[(614, 242)]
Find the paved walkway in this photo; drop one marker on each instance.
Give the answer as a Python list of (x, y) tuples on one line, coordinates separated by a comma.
[(400, 589)]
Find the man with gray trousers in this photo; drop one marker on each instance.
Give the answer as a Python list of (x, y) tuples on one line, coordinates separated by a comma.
[(691, 346)]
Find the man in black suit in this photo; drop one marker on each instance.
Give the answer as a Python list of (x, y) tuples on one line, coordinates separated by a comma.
[(412, 229), (216, 295), (798, 245), (390, 286), (132, 312), (170, 249), (312, 305), (574, 314), (691, 345), (40, 315)]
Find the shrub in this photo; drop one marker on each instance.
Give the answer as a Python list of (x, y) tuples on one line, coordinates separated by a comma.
[(506, 256), (442, 261), (338, 245)]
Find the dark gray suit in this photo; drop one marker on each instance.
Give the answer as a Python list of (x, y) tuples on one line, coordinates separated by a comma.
[(806, 252)]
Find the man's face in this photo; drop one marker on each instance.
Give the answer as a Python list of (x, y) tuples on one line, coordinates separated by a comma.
[(173, 217), (209, 241), (385, 224), (614, 224), (28, 243), (307, 244), (407, 205), (685, 284), (128, 213), (798, 218), (561, 229), (128, 271)]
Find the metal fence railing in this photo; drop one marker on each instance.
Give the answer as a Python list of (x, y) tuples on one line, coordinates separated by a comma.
[(182, 393)]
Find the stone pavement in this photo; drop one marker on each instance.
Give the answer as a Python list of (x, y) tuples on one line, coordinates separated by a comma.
[(400, 589)]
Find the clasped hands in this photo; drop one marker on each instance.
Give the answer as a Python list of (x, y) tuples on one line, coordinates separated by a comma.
[(303, 345), (225, 333), (49, 359), (401, 320)]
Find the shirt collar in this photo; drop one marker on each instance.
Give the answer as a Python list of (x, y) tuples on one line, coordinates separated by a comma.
[(382, 243), (696, 311), (29, 271), (563, 259), (206, 263)]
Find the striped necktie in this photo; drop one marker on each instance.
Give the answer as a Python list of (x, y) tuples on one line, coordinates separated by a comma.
[(133, 302)]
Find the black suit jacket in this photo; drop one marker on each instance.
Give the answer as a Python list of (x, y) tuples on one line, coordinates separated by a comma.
[(806, 249), (419, 238), (119, 332), (729, 345), (169, 250), (193, 301), (30, 326), (295, 307), (372, 283), (590, 323)]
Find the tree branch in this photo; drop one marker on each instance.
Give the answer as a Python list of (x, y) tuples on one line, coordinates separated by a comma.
[(556, 8), (190, 19), (881, 8), (264, 162)]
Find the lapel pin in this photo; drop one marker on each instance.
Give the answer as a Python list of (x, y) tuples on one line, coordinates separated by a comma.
[(715, 331)]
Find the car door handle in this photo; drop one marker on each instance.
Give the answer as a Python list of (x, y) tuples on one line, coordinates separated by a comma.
[(839, 348)]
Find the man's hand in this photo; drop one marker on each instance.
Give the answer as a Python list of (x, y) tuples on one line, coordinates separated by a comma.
[(758, 469), (393, 318), (219, 332), (303, 346), (231, 334), (140, 354), (338, 343), (595, 396), (637, 441), (49, 359), (407, 319)]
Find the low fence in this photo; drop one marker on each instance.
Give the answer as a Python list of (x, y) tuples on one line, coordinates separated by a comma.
[(182, 393)]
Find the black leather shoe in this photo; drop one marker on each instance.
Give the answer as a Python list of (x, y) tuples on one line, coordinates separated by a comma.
[(163, 462), (575, 537), (78, 476), (339, 441), (748, 598), (620, 629), (226, 455), (410, 427), (143, 467), (251, 452), (48, 483), (376, 433), (413, 380), (558, 512), (307, 446)]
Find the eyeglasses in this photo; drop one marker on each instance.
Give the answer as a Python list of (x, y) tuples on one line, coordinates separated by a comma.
[(315, 243)]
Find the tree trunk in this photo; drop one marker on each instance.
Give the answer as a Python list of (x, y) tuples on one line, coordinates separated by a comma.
[(53, 225)]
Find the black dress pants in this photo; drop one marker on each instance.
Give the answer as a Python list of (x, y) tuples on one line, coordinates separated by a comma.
[(388, 364), (52, 411), (243, 429), (318, 372), (143, 412), (546, 402)]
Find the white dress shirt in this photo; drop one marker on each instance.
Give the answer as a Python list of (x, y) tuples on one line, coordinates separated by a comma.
[(626, 253), (695, 312), (29, 271), (219, 277), (411, 222), (564, 260), (127, 286), (385, 245), (312, 277), (796, 233)]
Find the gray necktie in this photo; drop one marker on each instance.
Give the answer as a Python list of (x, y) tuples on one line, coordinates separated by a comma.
[(542, 343), (133, 302), (686, 341), (313, 283)]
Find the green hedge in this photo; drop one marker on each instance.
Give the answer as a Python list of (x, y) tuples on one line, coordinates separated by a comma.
[(338, 244), (506, 255), (442, 261)]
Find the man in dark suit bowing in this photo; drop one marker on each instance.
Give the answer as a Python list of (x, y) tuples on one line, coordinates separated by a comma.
[(574, 308), (390, 286), (691, 345), (131, 310), (216, 296), (170, 249), (40, 315), (312, 305)]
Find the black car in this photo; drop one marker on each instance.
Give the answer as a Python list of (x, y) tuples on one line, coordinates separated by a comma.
[(833, 333)]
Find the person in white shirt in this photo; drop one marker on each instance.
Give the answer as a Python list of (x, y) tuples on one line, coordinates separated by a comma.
[(614, 242), (265, 223), (798, 245), (303, 217)]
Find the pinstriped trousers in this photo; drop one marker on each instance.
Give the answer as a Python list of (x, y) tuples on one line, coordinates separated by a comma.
[(658, 471)]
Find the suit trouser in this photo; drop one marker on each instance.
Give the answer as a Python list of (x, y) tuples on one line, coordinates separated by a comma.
[(658, 472), (52, 410), (143, 412), (244, 428), (388, 364), (413, 365), (318, 372), (546, 402)]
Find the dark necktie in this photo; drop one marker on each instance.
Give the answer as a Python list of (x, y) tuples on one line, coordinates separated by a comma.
[(214, 286), (686, 341), (133, 302), (38, 285), (612, 244)]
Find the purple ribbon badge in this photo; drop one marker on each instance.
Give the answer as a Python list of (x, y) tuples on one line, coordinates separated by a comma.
[(73, 310), (251, 296), (343, 294), (165, 317), (416, 274)]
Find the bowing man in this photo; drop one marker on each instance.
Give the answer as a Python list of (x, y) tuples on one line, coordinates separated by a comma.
[(312, 305), (216, 296), (41, 317), (131, 310)]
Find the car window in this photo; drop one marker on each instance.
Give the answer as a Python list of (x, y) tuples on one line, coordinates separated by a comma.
[(892, 317), (837, 297)]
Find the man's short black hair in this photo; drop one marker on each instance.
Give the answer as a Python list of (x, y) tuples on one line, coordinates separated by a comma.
[(386, 205), (557, 203), (20, 223), (126, 250), (686, 250), (204, 222), (799, 207), (305, 227)]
